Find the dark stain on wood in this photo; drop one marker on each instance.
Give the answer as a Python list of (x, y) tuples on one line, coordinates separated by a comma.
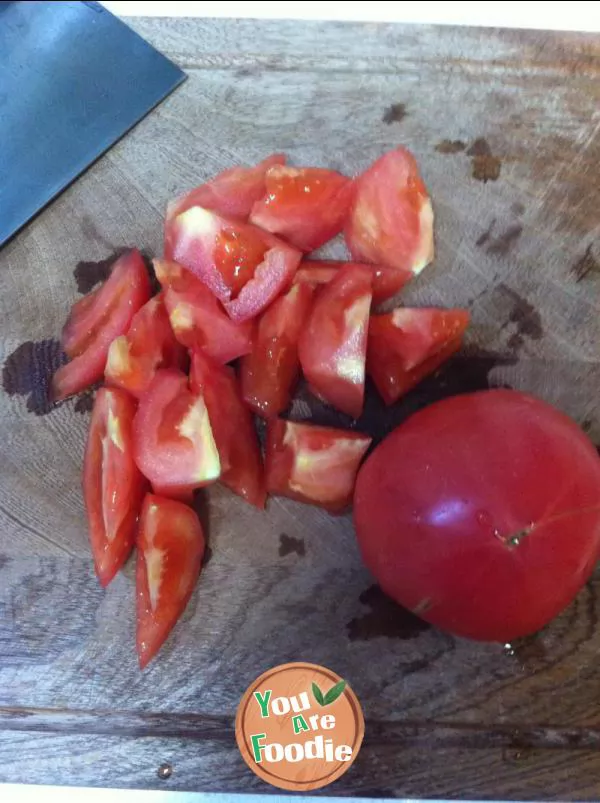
[(288, 544), (502, 243), (394, 113), (448, 146), (89, 274), (526, 317), (585, 265), (85, 402), (28, 372), (517, 208), (386, 618), (485, 166), (466, 372), (479, 147)]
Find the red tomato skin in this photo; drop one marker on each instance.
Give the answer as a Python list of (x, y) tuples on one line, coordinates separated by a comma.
[(480, 513), (244, 267), (270, 372), (333, 345), (305, 206), (171, 459), (198, 320), (93, 326), (387, 282), (170, 534), (328, 485), (232, 193), (148, 345), (399, 357), (233, 427), (391, 220), (113, 487)]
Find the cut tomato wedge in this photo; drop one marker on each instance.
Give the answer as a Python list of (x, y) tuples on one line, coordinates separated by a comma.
[(244, 267), (198, 320), (407, 345), (333, 345), (313, 464), (173, 440), (95, 321), (233, 428), (306, 206), (391, 220), (232, 192), (270, 372), (113, 487), (170, 549), (386, 281), (134, 358)]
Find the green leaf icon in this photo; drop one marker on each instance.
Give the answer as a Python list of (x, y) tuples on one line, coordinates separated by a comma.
[(318, 694), (334, 692)]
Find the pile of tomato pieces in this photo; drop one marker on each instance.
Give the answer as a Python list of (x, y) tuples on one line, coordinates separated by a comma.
[(240, 315)]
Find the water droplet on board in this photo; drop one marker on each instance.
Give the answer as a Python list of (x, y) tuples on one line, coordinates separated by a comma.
[(508, 649), (165, 771)]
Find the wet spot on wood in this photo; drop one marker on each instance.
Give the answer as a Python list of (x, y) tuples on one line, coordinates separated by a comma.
[(28, 372), (485, 168), (208, 553), (85, 402), (288, 544), (89, 274), (385, 618), (517, 208), (526, 317), (448, 146), (530, 649), (466, 372), (585, 265), (479, 147), (394, 113), (500, 244), (587, 425)]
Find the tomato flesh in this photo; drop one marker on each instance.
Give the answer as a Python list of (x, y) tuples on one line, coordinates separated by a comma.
[(481, 513), (306, 206), (244, 267), (113, 487), (386, 281), (391, 220), (170, 549), (233, 428), (406, 345), (173, 440), (97, 320), (270, 371), (232, 193), (313, 464), (333, 345), (148, 345), (198, 320)]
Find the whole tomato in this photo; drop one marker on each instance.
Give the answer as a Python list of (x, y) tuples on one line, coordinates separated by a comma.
[(481, 513)]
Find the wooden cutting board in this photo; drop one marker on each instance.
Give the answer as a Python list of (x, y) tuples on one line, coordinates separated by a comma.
[(505, 126)]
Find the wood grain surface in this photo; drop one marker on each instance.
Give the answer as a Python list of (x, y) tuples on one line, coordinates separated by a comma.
[(506, 128)]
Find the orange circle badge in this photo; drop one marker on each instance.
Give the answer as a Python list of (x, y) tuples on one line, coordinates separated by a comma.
[(299, 726)]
